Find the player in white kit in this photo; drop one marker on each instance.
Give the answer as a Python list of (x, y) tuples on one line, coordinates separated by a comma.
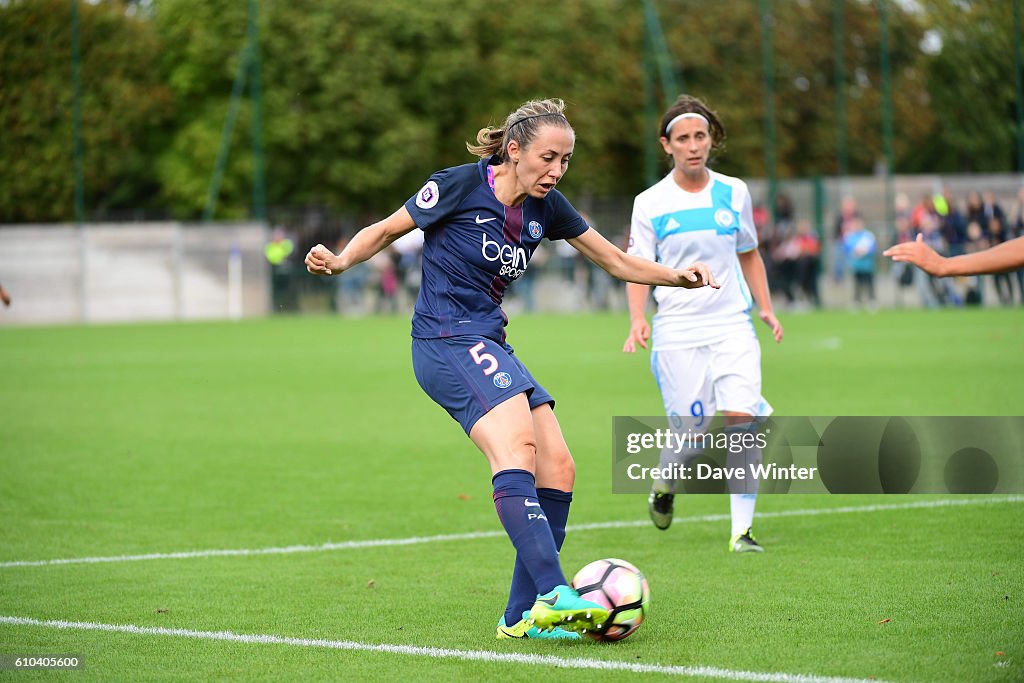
[(704, 353)]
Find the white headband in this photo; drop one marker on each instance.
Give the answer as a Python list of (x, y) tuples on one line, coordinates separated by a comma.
[(687, 115)]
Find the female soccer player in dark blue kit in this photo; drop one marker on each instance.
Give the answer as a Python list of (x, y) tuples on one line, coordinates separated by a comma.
[(482, 223)]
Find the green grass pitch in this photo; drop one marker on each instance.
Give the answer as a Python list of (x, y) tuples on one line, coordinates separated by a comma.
[(154, 439)]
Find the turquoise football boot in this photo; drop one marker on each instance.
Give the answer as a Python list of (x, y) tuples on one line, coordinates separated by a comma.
[(524, 629), (563, 606)]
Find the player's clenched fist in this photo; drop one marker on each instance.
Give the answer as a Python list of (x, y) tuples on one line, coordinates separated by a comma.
[(321, 261)]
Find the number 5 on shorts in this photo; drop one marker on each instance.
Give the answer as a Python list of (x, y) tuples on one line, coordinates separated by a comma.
[(481, 358)]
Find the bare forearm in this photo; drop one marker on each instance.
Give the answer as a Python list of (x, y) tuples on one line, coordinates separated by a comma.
[(373, 239), (629, 268), (632, 269), (757, 278), (621, 265), (636, 298), (999, 259), (368, 242)]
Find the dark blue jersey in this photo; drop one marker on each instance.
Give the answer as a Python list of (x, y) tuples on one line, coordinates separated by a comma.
[(475, 246)]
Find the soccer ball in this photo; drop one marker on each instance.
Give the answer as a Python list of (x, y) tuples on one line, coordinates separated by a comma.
[(619, 587)]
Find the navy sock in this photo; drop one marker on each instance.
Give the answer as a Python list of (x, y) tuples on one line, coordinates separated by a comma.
[(523, 592), (520, 512)]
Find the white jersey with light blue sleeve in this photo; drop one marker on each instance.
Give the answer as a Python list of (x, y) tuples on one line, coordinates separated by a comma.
[(677, 228)]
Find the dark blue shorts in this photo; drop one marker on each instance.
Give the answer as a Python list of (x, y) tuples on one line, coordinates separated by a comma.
[(468, 375)]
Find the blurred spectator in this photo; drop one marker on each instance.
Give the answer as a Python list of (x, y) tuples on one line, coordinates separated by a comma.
[(976, 211), (848, 213), (783, 212), (768, 243), (975, 242), (997, 235), (934, 291), (983, 209), (4, 296), (383, 263), (277, 251), (991, 211), (761, 218), (595, 281), (352, 289), (781, 264), (524, 286), (566, 255), (903, 272), (921, 212), (860, 246), (953, 225), (797, 260), (408, 250), (808, 261), (1018, 231), (901, 215)]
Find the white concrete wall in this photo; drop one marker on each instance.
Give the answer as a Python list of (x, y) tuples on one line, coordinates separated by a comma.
[(121, 272)]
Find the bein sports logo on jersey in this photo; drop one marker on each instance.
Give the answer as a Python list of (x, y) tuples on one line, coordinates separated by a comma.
[(427, 197), (536, 230), (503, 380), (513, 259)]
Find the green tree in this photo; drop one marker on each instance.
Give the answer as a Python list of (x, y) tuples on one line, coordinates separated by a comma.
[(366, 98), (362, 96), (971, 86), (123, 101), (586, 52), (203, 47), (718, 47)]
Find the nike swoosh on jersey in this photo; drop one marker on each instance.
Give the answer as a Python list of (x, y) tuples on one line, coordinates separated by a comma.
[(480, 221)]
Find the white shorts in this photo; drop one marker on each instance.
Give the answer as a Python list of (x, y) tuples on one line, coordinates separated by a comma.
[(700, 381)]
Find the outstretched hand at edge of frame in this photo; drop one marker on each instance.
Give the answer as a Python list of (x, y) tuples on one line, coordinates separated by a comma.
[(919, 254)]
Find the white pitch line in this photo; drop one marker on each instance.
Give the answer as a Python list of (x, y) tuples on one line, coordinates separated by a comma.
[(700, 672), (441, 538)]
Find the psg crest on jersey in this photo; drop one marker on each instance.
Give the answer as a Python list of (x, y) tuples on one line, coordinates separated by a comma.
[(503, 380), (427, 197), (536, 230)]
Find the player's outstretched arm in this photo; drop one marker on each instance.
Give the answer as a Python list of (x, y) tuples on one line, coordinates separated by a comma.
[(1001, 258), (369, 241), (621, 265)]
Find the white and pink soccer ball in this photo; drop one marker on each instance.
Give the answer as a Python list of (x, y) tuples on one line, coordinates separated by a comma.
[(620, 588)]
